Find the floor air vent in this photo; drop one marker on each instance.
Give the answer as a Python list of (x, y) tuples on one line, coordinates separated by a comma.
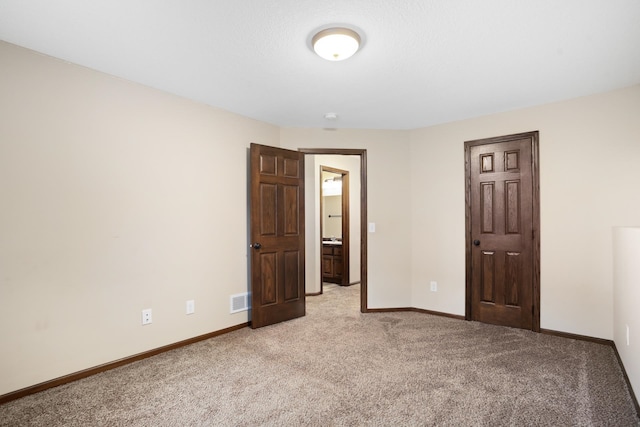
[(239, 302)]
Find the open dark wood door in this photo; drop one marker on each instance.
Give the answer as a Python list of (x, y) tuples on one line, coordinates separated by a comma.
[(502, 220), (277, 235)]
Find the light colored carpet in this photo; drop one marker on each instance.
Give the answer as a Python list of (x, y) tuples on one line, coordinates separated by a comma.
[(338, 367)]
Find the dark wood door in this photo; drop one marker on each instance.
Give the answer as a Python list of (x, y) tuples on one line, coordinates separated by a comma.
[(502, 244), (277, 235)]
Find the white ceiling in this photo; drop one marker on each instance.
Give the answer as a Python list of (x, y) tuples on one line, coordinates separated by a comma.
[(423, 62)]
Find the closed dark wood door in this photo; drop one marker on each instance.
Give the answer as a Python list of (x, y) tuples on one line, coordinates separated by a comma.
[(501, 231), (277, 235)]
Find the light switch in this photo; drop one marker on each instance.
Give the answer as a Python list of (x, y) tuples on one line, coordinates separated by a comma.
[(372, 227)]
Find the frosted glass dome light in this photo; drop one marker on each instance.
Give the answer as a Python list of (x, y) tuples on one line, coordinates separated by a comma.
[(336, 44)]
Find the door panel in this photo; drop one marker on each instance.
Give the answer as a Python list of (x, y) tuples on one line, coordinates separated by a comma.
[(512, 208), (268, 277), (291, 273), (267, 206), (487, 282), (486, 208), (501, 220), (291, 210), (277, 235)]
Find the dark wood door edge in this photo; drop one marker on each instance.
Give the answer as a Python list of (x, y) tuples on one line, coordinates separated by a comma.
[(363, 210), (112, 365)]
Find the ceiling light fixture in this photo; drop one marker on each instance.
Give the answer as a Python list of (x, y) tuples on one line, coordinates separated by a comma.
[(336, 44)]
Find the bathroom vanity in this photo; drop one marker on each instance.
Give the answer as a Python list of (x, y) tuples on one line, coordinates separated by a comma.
[(332, 261)]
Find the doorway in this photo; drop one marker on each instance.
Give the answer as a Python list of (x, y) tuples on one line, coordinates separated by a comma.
[(503, 231), (334, 226), (358, 244)]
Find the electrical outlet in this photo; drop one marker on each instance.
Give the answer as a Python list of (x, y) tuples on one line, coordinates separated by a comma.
[(191, 306), (434, 286), (146, 316)]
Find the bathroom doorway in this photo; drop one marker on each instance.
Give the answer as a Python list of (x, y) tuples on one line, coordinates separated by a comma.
[(334, 226), (354, 162)]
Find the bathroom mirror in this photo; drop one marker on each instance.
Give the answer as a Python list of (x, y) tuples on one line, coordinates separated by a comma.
[(331, 205)]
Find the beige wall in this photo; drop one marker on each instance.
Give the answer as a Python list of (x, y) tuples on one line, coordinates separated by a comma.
[(589, 175), (115, 198), (312, 231), (626, 295)]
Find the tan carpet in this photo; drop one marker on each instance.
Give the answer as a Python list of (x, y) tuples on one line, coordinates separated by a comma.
[(337, 367)]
